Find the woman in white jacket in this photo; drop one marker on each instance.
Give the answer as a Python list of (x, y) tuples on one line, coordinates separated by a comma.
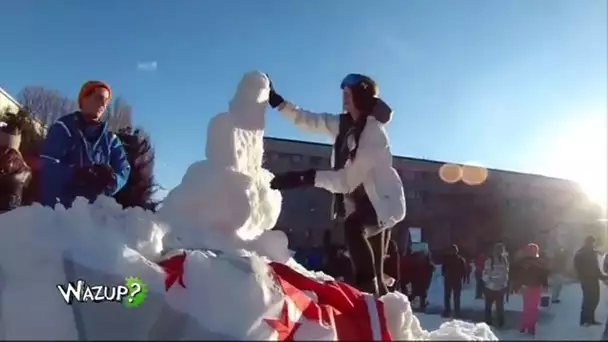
[(368, 191)]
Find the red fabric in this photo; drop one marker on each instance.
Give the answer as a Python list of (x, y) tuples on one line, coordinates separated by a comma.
[(348, 312), (480, 260), (339, 303), (407, 267), (174, 270), (531, 297)]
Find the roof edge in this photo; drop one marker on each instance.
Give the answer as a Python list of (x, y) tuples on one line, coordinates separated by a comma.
[(8, 96), (439, 162)]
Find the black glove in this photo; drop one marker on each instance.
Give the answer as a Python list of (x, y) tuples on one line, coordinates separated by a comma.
[(98, 177), (274, 99), (293, 179)]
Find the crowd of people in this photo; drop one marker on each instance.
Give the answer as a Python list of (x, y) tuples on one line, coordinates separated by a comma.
[(537, 278)]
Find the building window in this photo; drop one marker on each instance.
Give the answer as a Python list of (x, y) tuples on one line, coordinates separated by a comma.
[(296, 158), (407, 175), (412, 194), (316, 161)]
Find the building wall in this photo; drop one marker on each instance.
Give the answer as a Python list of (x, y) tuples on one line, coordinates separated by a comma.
[(10, 105), (511, 207), (7, 103)]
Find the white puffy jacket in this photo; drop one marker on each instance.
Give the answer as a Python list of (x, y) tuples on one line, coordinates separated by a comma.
[(372, 167)]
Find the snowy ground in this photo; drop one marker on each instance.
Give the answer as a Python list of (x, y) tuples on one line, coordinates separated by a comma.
[(558, 322)]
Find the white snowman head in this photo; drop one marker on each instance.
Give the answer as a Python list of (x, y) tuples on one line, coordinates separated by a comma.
[(229, 192)]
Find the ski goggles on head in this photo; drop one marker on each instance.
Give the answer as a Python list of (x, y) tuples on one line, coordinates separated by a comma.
[(351, 80)]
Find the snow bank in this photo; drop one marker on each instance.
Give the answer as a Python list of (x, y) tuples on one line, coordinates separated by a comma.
[(220, 216)]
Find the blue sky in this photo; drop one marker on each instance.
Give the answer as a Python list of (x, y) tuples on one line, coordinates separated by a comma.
[(508, 84)]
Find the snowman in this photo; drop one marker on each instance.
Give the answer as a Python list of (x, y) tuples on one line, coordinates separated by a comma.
[(225, 202), (220, 218)]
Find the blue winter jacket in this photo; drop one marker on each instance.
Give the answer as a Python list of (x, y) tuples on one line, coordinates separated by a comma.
[(66, 147)]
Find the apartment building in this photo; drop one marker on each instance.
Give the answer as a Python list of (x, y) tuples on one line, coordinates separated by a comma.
[(489, 205)]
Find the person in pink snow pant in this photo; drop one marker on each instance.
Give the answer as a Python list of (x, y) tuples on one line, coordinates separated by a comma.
[(530, 275)]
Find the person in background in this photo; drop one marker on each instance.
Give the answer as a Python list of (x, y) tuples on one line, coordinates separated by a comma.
[(496, 280), (342, 266), (453, 272), (406, 271), (79, 156), (589, 275), (558, 268), (422, 276), (315, 258), (467, 276), (480, 260), (368, 193), (15, 174), (391, 265), (530, 275)]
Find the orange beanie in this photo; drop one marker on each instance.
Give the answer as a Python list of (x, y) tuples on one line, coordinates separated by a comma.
[(89, 87)]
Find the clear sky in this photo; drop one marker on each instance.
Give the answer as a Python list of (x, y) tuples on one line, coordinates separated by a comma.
[(518, 84)]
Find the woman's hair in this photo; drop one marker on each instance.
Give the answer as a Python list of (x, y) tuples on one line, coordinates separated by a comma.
[(364, 94), (497, 254)]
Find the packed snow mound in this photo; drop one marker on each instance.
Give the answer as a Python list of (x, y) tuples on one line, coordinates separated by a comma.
[(101, 243), (208, 258)]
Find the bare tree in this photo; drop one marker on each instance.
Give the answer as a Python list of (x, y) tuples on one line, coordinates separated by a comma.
[(119, 114), (47, 105)]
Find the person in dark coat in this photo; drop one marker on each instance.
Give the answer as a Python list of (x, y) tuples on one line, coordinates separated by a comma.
[(422, 277), (480, 260), (589, 275), (453, 271), (407, 272), (391, 265), (530, 274), (15, 174)]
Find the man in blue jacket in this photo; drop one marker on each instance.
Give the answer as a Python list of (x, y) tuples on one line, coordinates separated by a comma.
[(79, 156)]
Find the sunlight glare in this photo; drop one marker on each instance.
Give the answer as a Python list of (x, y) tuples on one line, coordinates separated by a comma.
[(580, 153)]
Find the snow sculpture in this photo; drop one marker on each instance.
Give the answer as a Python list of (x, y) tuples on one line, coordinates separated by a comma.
[(228, 193)]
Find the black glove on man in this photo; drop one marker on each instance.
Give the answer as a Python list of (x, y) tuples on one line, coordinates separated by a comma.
[(98, 177), (293, 179), (274, 99)]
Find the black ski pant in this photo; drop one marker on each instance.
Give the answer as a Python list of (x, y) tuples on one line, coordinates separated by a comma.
[(451, 290), (591, 298), (492, 298), (479, 285), (366, 254)]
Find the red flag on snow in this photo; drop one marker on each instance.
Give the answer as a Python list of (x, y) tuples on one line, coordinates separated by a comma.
[(353, 315), (310, 309)]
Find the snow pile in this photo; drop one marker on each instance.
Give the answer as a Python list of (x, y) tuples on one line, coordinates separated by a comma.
[(220, 216)]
